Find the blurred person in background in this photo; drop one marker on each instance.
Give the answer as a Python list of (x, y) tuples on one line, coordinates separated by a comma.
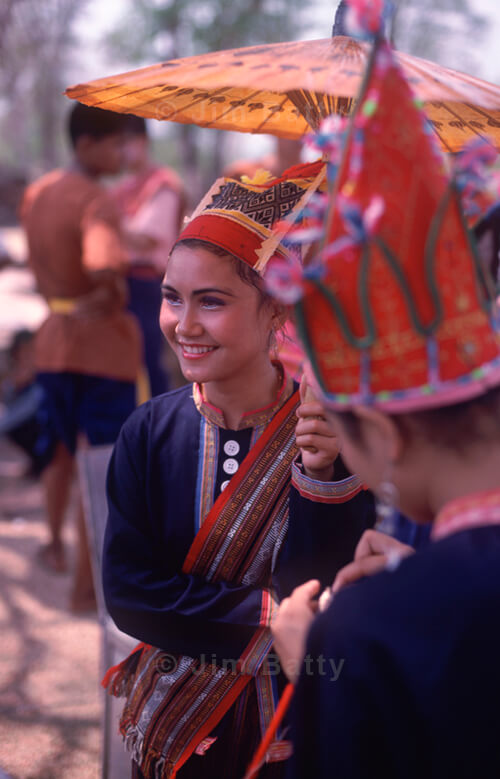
[(22, 397), (152, 205), (87, 352)]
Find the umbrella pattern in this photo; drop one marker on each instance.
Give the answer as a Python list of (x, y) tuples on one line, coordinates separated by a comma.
[(285, 89)]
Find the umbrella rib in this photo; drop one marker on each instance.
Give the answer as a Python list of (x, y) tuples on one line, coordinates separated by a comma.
[(435, 130), (215, 93), (299, 100), (321, 103), (228, 110), (261, 125), (155, 99), (106, 89), (467, 124), (486, 116)]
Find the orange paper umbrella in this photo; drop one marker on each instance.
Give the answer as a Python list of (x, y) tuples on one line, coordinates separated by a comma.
[(287, 88)]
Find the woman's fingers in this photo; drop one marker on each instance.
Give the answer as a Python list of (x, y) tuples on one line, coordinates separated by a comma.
[(327, 448), (372, 542), (306, 591), (351, 573), (303, 388), (310, 409), (314, 426), (374, 553), (300, 595), (291, 625), (300, 601)]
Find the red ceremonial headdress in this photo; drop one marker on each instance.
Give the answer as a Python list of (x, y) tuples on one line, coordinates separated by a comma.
[(397, 311), (241, 216)]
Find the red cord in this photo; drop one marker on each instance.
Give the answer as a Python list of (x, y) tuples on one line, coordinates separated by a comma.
[(260, 755)]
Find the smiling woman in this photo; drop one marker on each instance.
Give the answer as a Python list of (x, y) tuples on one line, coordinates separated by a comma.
[(221, 335), (215, 511)]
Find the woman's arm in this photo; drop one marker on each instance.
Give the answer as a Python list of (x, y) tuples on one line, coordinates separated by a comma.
[(326, 521), (146, 593), (329, 509)]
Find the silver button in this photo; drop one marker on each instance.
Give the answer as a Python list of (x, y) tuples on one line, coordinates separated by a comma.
[(231, 448), (230, 466), (224, 485)]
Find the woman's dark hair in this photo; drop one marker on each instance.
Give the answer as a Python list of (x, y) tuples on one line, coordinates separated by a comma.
[(475, 421), (135, 125), (95, 122), (244, 271), (489, 225)]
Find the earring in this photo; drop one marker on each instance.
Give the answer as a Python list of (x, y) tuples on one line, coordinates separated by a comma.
[(387, 497), (273, 343)]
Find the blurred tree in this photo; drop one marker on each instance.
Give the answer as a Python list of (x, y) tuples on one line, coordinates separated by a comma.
[(429, 28), (167, 29), (179, 28), (36, 44), (437, 30)]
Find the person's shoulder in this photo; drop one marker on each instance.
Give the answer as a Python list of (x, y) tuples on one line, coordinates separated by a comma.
[(71, 188), (173, 402), (41, 184), (168, 178), (95, 202), (446, 577), (161, 426), (90, 190)]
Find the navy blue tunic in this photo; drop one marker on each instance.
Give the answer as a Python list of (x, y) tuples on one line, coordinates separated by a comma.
[(152, 484), (417, 654)]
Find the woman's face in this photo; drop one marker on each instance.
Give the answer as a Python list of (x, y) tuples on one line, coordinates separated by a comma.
[(212, 319)]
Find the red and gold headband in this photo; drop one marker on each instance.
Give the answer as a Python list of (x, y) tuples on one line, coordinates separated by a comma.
[(239, 216)]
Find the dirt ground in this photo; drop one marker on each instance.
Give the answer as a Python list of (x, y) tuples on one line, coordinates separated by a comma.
[(50, 700)]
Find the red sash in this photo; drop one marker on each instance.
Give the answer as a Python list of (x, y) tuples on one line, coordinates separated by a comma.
[(168, 712)]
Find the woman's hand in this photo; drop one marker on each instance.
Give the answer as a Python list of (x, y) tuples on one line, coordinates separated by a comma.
[(375, 552), (291, 626), (315, 437)]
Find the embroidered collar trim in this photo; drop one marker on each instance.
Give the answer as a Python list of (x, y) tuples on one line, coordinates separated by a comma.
[(479, 509), (260, 416)]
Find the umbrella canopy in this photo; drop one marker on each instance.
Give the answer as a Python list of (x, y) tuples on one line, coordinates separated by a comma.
[(287, 88)]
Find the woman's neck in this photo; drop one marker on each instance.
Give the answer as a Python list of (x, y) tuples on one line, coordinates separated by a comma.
[(456, 477), (239, 395)]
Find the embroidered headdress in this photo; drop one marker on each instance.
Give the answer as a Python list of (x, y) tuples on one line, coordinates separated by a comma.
[(396, 311), (239, 216)]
